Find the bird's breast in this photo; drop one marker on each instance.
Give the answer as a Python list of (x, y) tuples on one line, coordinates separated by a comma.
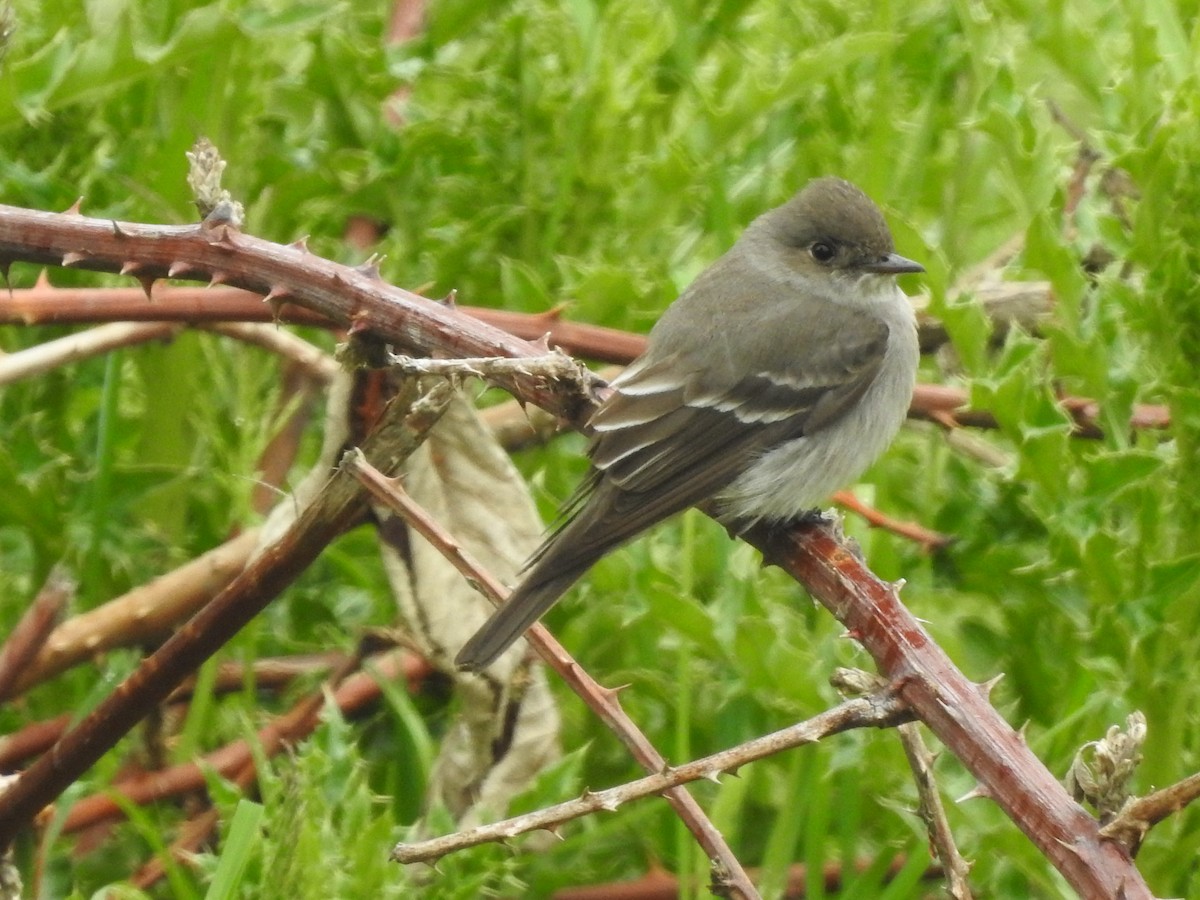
[(794, 477)]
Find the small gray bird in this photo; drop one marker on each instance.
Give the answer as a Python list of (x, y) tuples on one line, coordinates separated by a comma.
[(776, 378)]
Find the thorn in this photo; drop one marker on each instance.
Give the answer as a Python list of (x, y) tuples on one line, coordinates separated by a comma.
[(613, 694), (986, 687), (43, 280), (1071, 847), (714, 777), (178, 268), (73, 209), (543, 343), (733, 771), (116, 227), (555, 831), (950, 710), (275, 298), (301, 244), (451, 299), (135, 268), (979, 792), (218, 276), (1022, 733), (73, 258), (370, 267), (223, 236), (601, 801), (359, 323)]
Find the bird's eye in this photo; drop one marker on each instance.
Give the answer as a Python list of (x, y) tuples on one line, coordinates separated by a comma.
[(822, 252)]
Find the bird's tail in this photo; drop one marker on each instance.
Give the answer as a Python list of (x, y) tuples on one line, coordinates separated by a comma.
[(525, 605), (594, 521)]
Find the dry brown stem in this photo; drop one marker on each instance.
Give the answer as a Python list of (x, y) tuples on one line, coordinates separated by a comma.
[(1132, 823), (95, 341), (941, 840), (144, 614), (933, 812), (351, 693), (338, 504), (30, 635)]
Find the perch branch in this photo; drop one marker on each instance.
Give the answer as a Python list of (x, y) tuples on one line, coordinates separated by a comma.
[(955, 709)]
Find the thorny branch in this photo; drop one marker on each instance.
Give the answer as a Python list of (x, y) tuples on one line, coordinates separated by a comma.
[(602, 701), (953, 708), (353, 298), (882, 709), (943, 404)]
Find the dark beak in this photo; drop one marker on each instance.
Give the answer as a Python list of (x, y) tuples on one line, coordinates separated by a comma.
[(893, 264)]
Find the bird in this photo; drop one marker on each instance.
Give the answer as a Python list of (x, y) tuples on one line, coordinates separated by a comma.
[(776, 378)]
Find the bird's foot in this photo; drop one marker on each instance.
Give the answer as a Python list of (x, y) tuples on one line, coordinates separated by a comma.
[(829, 518)]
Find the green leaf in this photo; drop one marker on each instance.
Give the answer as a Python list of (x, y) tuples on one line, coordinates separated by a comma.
[(240, 844)]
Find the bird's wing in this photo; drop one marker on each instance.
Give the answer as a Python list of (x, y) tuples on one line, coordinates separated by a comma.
[(675, 432)]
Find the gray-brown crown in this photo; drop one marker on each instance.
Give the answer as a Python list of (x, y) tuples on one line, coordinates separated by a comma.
[(831, 209)]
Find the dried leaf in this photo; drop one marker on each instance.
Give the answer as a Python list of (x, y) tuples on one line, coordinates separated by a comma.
[(508, 726)]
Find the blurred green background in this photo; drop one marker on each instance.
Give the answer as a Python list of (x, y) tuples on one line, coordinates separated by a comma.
[(600, 154)]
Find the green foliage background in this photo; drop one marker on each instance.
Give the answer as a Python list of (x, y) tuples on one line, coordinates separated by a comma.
[(603, 153)]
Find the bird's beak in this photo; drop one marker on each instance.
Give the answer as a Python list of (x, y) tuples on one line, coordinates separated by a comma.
[(894, 264)]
